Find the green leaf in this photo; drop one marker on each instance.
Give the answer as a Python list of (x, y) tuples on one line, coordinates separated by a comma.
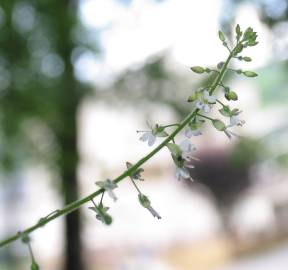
[(250, 73), (198, 69), (218, 124), (221, 36)]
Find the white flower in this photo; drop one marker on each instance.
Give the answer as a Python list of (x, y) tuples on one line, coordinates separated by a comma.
[(209, 98), (205, 101), (182, 173), (235, 121), (148, 136), (145, 202), (186, 146), (192, 132), (203, 106), (108, 186)]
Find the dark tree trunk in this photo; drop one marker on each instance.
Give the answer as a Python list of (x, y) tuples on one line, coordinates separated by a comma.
[(69, 160)]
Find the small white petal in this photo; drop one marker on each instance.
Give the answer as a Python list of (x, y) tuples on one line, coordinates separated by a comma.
[(145, 136), (197, 132), (188, 133), (206, 108), (185, 146), (151, 139), (112, 195), (200, 105), (184, 173), (208, 97)]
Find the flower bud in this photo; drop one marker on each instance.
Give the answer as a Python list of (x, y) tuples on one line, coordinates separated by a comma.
[(250, 73), (231, 95), (192, 97), (246, 58), (218, 124), (198, 69), (220, 65), (221, 36)]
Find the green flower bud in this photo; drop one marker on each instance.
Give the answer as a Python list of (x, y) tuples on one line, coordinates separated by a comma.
[(144, 200), (192, 97), (246, 58), (221, 36), (198, 69), (231, 95), (107, 219), (218, 124), (250, 73), (220, 65), (238, 32), (238, 49)]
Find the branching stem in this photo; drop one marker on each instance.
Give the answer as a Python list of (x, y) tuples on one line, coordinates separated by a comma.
[(78, 203)]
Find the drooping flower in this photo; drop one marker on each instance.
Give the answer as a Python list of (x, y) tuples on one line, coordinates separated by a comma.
[(101, 213), (194, 128), (108, 186), (145, 202), (235, 121), (205, 101), (192, 132), (135, 175), (187, 148), (182, 158), (182, 173), (151, 135)]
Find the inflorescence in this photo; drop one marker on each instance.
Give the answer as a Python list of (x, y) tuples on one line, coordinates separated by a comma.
[(202, 102)]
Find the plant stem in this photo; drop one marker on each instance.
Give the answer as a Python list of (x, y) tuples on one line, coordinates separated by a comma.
[(134, 184), (78, 203), (204, 116), (220, 102)]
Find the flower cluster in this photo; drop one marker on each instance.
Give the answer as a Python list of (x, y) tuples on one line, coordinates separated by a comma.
[(203, 101)]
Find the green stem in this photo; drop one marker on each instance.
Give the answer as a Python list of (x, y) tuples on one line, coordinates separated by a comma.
[(31, 253), (220, 102), (204, 116), (78, 203), (134, 184), (171, 125)]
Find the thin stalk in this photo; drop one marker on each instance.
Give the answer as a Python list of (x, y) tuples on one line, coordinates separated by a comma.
[(204, 116), (78, 203), (220, 102), (134, 184)]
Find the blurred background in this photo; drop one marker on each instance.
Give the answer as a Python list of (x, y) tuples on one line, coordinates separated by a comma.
[(78, 78)]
